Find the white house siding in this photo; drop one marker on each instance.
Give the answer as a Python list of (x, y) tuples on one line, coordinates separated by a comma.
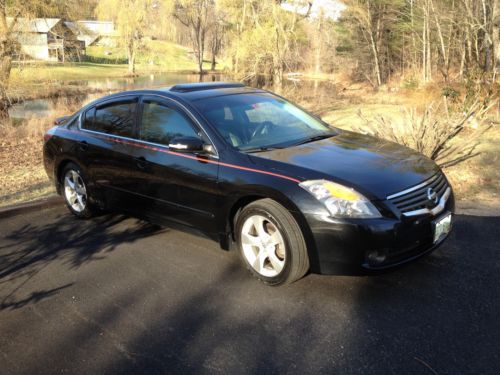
[(34, 45)]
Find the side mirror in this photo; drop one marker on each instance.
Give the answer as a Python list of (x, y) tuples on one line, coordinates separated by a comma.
[(187, 144)]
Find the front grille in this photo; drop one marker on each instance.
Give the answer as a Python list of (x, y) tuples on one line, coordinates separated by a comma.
[(417, 199)]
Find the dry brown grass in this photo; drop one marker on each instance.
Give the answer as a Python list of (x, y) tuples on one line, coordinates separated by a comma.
[(22, 176)]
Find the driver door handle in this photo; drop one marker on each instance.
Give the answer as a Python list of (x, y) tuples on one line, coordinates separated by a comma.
[(83, 145), (141, 162)]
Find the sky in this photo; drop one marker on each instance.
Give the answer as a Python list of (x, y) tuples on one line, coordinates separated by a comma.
[(330, 8)]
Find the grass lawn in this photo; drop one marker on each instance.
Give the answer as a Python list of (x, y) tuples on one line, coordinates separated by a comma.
[(45, 72), (155, 55)]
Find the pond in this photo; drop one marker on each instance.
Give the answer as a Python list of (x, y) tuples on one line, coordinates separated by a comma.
[(293, 87)]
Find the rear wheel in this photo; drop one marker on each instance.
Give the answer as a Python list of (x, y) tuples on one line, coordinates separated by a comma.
[(75, 191), (271, 243)]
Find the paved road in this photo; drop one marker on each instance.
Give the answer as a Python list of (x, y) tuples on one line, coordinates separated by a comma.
[(116, 295)]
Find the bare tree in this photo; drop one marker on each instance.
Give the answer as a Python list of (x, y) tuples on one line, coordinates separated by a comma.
[(434, 131), (195, 15), (216, 35), (372, 20)]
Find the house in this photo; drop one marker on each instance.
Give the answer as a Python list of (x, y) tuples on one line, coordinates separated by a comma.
[(47, 39), (95, 32)]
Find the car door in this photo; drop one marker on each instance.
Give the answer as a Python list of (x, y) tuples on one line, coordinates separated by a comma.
[(110, 154), (183, 186)]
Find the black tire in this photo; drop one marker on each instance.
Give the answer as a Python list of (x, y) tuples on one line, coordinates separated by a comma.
[(296, 260), (89, 208)]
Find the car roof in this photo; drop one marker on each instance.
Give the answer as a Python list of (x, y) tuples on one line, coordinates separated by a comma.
[(187, 92)]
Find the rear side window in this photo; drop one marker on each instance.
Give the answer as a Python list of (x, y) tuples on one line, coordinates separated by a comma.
[(116, 118), (160, 124)]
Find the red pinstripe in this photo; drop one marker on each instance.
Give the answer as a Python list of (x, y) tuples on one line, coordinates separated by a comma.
[(140, 145)]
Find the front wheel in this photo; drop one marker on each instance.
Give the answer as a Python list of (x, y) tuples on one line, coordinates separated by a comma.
[(271, 243)]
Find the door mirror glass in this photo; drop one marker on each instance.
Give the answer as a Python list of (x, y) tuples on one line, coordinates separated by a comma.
[(187, 144)]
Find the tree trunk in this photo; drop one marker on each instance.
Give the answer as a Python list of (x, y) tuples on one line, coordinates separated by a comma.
[(131, 56), (442, 49), (496, 34), (214, 63), (414, 63), (6, 51), (319, 45), (200, 58), (6, 64), (424, 48), (376, 60), (373, 45), (199, 41)]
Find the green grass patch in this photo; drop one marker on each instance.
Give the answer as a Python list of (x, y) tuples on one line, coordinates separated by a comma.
[(154, 55), (43, 72)]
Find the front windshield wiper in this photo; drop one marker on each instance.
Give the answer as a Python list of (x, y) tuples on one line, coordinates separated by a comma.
[(261, 149), (314, 138)]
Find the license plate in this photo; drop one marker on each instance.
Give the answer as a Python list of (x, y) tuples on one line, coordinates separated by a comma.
[(442, 227)]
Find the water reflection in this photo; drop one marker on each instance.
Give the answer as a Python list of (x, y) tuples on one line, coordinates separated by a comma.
[(42, 107), (300, 90)]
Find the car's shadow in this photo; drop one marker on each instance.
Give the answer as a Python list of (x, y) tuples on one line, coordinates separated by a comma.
[(27, 250)]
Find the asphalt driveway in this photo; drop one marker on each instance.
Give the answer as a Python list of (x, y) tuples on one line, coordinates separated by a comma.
[(116, 295)]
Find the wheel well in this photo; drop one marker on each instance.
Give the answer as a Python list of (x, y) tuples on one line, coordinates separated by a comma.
[(60, 167), (236, 208)]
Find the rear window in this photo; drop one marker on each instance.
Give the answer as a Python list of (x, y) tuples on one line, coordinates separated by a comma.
[(117, 118)]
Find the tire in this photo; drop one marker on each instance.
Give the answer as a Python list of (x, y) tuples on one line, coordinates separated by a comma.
[(270, 243), (74, 184)]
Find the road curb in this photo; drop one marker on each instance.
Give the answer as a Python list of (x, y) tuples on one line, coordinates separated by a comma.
[(38, 205)]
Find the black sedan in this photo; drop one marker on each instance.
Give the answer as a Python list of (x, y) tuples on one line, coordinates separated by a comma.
[(253, 171)]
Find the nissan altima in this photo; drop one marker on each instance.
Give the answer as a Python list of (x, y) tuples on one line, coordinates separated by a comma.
[(254, 172)]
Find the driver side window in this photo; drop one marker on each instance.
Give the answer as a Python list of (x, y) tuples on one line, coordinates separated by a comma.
[(161, 123)]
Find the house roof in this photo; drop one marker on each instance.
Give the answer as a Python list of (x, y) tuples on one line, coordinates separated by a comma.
[(82, 33), (34, 25), (102, 28)]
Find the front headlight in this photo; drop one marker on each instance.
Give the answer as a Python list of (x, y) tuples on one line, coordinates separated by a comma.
[(340, 200)]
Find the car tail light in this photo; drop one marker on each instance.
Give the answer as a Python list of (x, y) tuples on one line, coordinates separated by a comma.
[(46, 137)]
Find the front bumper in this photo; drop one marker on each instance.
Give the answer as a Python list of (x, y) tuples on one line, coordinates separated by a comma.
[(352, 246)]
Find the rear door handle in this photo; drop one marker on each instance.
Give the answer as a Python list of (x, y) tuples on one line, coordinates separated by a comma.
[(83, 145), (141, 162)]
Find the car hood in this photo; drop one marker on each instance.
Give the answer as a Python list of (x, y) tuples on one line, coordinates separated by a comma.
[(374, 167)]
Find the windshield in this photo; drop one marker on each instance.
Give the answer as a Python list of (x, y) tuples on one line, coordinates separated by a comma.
[(254, 122)]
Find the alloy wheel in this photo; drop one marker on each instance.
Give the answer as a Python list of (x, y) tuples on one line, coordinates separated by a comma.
[(263, 246), (75, 191)]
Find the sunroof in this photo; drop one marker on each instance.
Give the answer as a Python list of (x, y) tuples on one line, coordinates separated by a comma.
[(188, 87)]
